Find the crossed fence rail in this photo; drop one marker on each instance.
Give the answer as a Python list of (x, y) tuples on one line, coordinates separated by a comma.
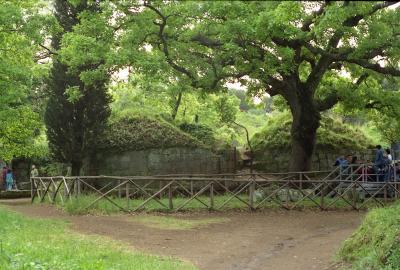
[(354, 186)]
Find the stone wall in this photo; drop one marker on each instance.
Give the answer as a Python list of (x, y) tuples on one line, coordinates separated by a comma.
[(161, 161), (278, 161)]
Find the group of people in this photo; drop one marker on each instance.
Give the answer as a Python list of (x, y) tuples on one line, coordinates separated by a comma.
[(382, 158), (7, 179), (380, 166)]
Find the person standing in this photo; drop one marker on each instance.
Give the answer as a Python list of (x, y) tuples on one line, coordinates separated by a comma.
[(34, 171), (379, 159), (3, 177), (388, 156), (9, 179)]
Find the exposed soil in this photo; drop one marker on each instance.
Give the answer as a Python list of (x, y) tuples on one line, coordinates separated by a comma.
[(268, 240)]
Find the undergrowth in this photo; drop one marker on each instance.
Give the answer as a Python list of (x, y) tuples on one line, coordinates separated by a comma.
[(376, 243)]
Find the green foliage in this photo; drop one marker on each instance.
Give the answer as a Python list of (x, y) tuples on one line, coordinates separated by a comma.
[(332, 135), (22, 29), (18, 133), (207, 117), (141, 132), (78, 106), (313, 54), (33, 244), (389, 127), (376, 243), (201, 132), (253, 120)]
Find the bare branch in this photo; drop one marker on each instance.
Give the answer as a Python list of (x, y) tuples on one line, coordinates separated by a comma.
[(48, 50)]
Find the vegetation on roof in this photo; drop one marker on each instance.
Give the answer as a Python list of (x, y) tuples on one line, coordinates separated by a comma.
[(142, 132), (332, 135)]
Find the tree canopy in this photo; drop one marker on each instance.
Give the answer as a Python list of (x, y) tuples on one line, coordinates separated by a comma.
[(21, 35), (313, 54), (78, 105)]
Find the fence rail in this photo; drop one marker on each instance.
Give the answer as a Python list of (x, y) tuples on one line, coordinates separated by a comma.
[(352, 186)]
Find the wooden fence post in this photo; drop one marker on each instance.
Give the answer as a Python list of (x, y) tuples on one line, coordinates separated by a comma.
[(127, 195), (170, 203), (355, 195), (301, 181), (119, 189), (251, 194), (32, 190), (212, 196), (323, 196)]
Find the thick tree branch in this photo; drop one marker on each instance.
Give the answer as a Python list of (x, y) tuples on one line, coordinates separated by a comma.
[(375, 67), (332, 99), (354, 20), (327, 57), (206, 41), (327, 103)]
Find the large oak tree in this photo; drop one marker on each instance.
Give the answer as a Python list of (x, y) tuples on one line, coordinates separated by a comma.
[(313, 54)]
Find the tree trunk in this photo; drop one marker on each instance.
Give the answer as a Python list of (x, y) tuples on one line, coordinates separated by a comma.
[(306, 121), (76, 168), (176, 107)]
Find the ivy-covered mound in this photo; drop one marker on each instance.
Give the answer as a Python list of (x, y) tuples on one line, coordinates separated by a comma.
[(331, 136), (141, 132)]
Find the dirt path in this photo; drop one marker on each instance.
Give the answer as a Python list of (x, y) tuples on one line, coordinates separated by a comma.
[(269, 240)]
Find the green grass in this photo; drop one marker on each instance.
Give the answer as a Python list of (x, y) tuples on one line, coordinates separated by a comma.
[(78, 205), (47, 244), (376, 243), (173, 223)]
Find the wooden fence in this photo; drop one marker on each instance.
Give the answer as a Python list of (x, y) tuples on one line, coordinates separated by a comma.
[(354, 186)]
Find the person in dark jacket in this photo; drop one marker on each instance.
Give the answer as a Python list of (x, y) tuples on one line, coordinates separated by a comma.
[(3, 178), (379, 161)]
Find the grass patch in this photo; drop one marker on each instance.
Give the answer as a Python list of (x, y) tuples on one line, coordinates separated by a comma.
[(173, 223), (28, 243), (376, 243)]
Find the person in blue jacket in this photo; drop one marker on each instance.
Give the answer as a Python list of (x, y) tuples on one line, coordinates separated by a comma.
[(9, 180)]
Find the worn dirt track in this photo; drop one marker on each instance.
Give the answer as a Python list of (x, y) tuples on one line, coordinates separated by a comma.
[(268, 240)]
